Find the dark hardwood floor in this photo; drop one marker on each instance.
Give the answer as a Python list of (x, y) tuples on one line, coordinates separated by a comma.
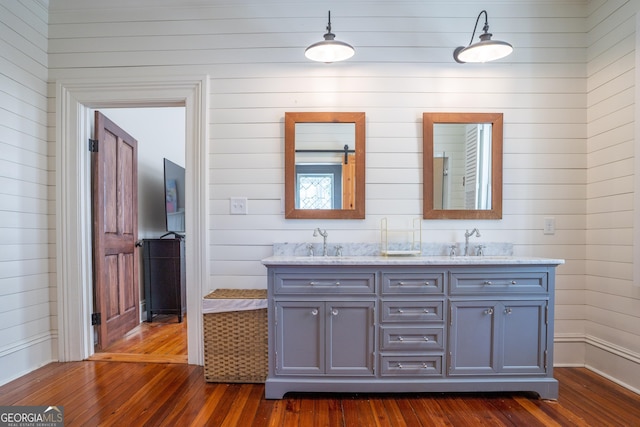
[(114, 393)]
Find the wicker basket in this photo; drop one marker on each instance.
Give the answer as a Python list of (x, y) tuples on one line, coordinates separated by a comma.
[(235, 342)]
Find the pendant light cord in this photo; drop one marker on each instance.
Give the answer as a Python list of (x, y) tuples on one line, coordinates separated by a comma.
[(485, 29)]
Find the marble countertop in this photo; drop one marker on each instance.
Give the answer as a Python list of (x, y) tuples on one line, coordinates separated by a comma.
[(409, 260)]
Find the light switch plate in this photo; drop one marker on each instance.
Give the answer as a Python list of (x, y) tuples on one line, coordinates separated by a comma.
[(549, 226), (238, 206)]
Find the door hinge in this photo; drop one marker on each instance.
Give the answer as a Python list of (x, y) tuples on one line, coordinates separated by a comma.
[(96, 319), (546, 314), (93, 145)]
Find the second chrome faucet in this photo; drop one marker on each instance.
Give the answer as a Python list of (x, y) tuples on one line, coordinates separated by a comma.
[(324, 235), (468, 234)]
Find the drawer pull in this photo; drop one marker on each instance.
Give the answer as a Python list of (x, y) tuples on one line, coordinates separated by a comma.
[(324, 284), (401, 283), (490, 283), (418, 365), (401, 311), (401, 339)]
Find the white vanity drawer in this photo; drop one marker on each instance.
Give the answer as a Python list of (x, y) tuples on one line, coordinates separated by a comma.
[(412, 311), (416, 283), (324, 283), (399, 338), (418, 365), (502, 282)]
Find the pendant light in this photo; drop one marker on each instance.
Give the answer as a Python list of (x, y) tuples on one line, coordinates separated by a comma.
[(329, 49), (486, 49)]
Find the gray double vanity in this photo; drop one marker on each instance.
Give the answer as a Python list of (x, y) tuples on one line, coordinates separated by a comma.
[(398, 316), (410, 324)]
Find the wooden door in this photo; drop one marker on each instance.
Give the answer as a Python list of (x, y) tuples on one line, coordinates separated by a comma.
[(349, 183), (115, 229)]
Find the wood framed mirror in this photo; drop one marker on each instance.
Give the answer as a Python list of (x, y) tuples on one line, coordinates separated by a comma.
[(462, 165), (324, 165)]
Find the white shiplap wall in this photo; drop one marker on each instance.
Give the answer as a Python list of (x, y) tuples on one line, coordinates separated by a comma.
[(612, 302), (26, 295), (252, 51)]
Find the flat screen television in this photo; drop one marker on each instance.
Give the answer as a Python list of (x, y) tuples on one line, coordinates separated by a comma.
[(174, 182)]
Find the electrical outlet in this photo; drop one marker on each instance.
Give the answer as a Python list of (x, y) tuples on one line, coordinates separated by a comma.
[(549, 226), (238, 206)]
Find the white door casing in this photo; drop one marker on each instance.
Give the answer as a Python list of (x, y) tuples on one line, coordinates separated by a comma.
[(75, 100)]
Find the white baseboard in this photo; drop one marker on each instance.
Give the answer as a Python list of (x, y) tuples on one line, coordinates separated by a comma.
[(602, 357), (26, 356)]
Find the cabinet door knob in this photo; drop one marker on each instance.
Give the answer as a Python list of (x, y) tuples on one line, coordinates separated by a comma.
[(488, 311), (334, 312), (314, 311), (400, 339), (507, 310), (427, 283)]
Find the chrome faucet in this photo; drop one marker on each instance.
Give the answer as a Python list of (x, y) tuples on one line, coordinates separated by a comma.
[(324, 235), (468, 234)]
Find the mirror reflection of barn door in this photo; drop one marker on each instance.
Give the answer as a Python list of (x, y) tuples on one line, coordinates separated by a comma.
[(115, 229)]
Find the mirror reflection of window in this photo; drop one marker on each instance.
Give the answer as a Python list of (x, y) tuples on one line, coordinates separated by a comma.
[(465, 181), (482, 188), (318, 186)]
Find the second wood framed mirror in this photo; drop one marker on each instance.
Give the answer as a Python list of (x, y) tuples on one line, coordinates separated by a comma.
[(324, 165), (462, 165)]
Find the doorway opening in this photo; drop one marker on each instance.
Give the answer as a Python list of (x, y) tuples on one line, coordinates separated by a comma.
[(160, 133), (74, 102)]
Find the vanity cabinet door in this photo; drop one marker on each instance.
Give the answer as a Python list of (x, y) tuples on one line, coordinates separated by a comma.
[(316, 337), (299, 340), (350, 332), (472, 340), (488, 337), (524, 337)]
